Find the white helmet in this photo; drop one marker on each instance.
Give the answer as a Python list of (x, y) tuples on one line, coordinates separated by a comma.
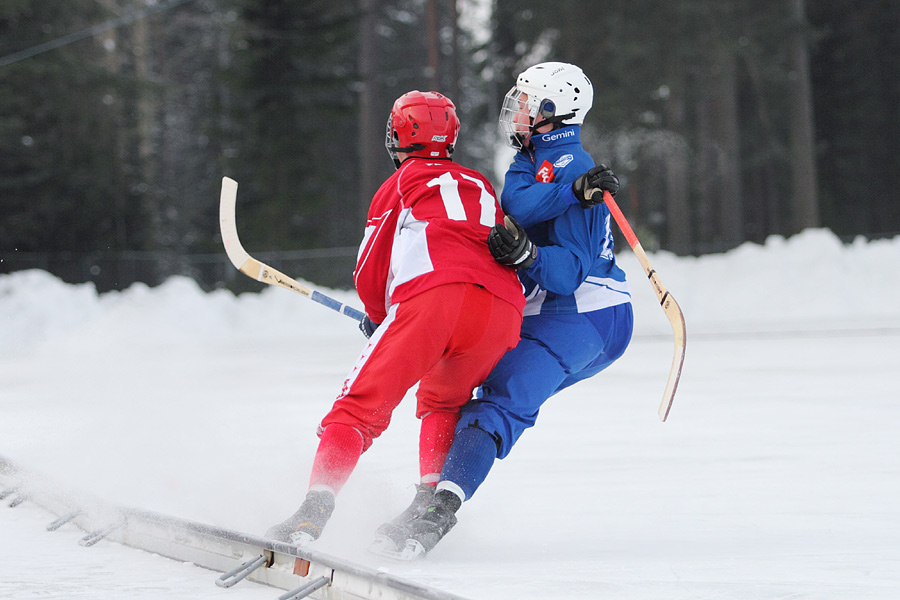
[(560, 92)]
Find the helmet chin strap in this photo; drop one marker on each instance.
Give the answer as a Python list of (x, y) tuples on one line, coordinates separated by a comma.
[(393, 150), (415, 148), (411, 148), (556, 121)]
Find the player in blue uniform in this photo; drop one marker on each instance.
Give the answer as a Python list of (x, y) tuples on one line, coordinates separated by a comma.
[(578, 316)]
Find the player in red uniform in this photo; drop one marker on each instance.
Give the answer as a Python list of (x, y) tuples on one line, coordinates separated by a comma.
[(439, 309)]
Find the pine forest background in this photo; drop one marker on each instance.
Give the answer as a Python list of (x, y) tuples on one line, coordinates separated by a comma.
[(727, 121)]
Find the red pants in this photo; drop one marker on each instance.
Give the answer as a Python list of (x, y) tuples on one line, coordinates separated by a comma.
[(447, 338)]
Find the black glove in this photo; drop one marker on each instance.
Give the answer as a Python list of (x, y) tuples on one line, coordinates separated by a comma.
[(589, 187), (510, 245), (368, 326)]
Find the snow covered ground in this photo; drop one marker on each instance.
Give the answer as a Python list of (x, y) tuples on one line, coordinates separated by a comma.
[(776, 476)]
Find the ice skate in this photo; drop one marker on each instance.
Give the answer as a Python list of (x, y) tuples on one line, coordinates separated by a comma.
[(391, 536), (425, 531), (307, 523)]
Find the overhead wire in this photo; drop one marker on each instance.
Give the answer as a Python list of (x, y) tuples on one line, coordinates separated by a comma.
[(125, 19)]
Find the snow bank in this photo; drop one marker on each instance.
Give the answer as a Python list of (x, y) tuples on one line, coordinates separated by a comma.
[(809, 277)]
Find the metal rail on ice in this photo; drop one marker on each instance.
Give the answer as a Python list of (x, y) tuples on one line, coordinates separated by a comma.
[(303, 572)]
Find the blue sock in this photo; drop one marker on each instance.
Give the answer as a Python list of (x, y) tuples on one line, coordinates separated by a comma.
[(470, 459)]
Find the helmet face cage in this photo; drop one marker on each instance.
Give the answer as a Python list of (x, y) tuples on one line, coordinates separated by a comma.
[(390, 140), (517, 116)]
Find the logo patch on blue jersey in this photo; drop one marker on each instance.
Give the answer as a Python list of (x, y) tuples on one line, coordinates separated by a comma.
[(563, 161), (545, 173)]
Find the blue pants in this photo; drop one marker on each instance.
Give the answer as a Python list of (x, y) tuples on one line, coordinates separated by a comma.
[(554, 352)]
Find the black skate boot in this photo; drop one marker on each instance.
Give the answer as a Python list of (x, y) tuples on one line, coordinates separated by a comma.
[(307, 523), (425, 531), (391, 536)]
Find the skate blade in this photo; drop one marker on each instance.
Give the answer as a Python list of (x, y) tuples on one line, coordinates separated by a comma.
[(301, 539), (386, 548), (383, 545)]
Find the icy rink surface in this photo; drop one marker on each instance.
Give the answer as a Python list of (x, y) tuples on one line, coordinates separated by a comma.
[(776, 476)]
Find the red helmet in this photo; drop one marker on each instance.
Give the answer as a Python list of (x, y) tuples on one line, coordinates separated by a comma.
[(422, 124)]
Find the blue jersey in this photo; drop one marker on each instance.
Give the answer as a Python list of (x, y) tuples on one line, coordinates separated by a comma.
[(575, 270), (578, 319)]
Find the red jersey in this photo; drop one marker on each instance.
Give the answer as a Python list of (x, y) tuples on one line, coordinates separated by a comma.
[(428, 225)]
